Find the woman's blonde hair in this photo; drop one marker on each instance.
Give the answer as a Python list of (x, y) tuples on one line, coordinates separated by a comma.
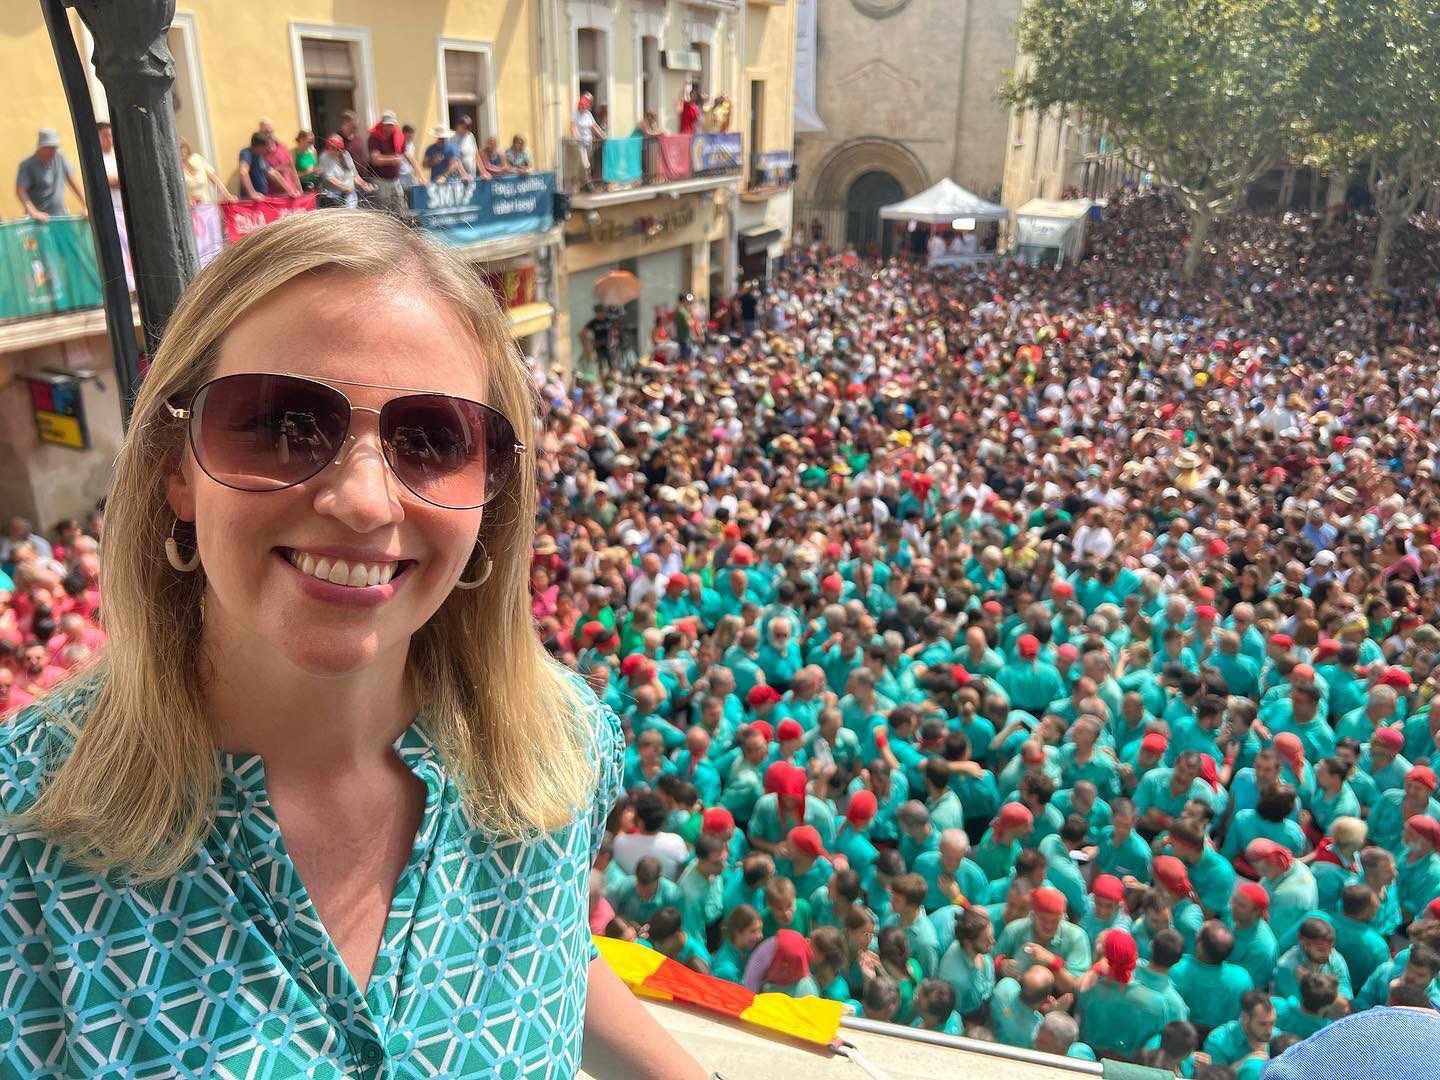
[(137, 791)]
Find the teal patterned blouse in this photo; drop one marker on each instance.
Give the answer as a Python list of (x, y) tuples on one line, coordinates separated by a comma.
[(225, 970)]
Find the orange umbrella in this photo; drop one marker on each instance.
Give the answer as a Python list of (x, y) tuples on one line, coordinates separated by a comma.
[(617, 288)]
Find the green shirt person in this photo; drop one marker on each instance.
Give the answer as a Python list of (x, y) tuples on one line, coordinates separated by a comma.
[(1209, 983), (1013, 1018), (1291, 886), (1045, 927), (966, 964), (702, 886), (1030, 683), (1116, 1013), (640, 897), (1313, 951), (1249, 1033), (1255, 947)]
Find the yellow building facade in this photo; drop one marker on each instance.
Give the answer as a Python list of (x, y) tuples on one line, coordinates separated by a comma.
[(297, 65), (696, 226)]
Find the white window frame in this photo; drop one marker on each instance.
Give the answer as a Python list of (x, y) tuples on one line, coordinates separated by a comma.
[(649, 22), (487, 55), (706, 31), (592, 15), (358, 36), (184, 22)]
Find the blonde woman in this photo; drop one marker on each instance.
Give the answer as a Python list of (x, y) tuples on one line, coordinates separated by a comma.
[(202, 182), (327, 808)]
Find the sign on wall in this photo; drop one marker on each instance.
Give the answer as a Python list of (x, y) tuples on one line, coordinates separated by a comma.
[(59, 411)]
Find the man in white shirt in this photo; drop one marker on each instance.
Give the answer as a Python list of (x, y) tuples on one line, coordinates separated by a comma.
[(466, 144), (629, 848)]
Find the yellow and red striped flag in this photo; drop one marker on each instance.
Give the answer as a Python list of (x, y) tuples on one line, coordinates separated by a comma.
[(652, 974)]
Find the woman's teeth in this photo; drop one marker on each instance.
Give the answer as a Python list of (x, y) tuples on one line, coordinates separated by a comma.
[(339, 572)]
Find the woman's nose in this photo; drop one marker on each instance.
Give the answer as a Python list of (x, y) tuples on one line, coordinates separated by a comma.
[(360, 490)]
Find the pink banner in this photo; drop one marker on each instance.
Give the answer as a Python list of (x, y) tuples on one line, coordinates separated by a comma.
[(247, 215), (672, 156)]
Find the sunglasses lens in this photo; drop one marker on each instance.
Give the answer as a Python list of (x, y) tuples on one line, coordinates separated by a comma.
[(259, 432), (449, 451)]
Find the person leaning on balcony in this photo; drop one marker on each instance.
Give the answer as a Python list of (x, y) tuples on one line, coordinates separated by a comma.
[(326, 779), (340, 179), (491, 159), (201, 179), (691, 106), (586, 130), (386, 149), (717, 117), (307, 160), (442, 157), (517, 157), (42, 178)]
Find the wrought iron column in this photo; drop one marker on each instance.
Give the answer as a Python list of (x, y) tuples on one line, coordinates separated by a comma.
[(134, 64)]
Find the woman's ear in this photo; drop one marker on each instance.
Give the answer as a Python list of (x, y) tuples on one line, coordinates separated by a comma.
[(180, 490)]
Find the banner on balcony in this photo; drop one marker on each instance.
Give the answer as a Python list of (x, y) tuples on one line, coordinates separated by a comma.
[(621, 159), (718, 151), (468, 211), (245, 216), (672, 157), (807, 116), (59, 410), (49, 268), (209, 232)]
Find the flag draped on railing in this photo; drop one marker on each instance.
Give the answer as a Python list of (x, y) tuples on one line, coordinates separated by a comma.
[(654, 975)]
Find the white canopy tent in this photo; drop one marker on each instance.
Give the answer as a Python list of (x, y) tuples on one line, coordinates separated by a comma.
[(942, 204), (1046, 229)]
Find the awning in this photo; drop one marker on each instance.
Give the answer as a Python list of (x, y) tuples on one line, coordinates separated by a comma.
[(530, 319), (758, 239), (942, 204)]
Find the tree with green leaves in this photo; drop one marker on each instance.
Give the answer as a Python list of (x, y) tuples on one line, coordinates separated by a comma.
[(1372, 85), (1194, 90)]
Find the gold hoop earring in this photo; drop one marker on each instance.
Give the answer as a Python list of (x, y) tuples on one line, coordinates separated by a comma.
[(173, 556), (489, 565)]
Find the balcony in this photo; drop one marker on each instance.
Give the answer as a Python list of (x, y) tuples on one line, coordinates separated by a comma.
[(771, 172), (620, 170)]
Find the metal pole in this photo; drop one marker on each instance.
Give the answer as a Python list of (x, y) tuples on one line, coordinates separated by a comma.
[(134, 63), (975, 1046), (120, 322)]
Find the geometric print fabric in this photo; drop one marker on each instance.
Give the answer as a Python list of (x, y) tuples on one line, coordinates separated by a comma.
[(224, 970)]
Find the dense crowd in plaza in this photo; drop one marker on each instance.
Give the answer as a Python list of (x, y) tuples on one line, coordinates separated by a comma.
[(1042, 655)]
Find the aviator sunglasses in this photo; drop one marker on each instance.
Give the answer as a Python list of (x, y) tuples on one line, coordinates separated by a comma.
[(259, 431)]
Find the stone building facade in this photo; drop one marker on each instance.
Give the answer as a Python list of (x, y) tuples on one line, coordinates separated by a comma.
[(906, 90)]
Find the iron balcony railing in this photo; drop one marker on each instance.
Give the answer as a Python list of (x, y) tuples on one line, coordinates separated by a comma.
[(641, 161)]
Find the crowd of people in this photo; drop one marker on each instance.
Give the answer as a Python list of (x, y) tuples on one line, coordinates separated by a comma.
[(347, 167), (1043, 655), (1047, 656)]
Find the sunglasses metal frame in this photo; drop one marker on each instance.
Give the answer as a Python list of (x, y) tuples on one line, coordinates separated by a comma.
[(186, 413)]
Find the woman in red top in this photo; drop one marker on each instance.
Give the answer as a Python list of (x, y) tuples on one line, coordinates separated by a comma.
[(690, 106)]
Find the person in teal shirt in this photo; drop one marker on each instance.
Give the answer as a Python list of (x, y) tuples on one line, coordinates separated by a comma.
[(1056, 938), (1210, 872), (1030, 683), (702, 886), (1312, 1010), (1120, 851), (966, 964), (1252, 1031), (1018, 1005), (638, 898), (1291, 886), (1332, 796), (1314, 950), (1394, 808), (951, 875), (1163, 792), (1356, 938), (742, 931), (1255, 946), (1118, 1015), (1062, 870), (1212, 986), (1418, 866)]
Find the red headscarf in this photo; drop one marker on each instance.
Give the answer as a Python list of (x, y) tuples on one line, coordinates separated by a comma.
[(791, 961), (1121, 954), (791, 783)]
